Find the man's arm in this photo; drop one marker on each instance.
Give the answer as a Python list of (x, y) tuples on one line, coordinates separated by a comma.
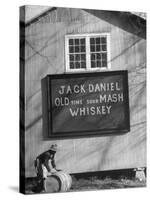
[(46, 163), (53, 163)]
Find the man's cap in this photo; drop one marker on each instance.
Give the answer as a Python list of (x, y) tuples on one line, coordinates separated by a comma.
[(53, 147)]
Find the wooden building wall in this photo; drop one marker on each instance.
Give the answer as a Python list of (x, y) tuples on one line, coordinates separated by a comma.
[(45, 54)]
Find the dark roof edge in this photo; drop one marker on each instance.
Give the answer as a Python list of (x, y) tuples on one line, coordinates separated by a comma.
[(39, 16)]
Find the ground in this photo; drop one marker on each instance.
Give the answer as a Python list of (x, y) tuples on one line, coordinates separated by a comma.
[(108, 183), (94, 183)]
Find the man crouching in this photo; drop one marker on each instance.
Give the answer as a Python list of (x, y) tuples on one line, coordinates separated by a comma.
[(45, 165)]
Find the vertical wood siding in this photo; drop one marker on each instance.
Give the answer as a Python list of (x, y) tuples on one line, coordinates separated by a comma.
[(45, 54)]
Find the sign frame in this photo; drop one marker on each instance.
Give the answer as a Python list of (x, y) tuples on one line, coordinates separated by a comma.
[(47, 102)]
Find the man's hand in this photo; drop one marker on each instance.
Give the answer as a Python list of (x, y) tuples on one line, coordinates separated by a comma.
[(58, 170), (49, 174), (53, 170)]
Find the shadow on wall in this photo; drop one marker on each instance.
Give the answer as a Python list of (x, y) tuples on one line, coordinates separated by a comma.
[(125, 20)]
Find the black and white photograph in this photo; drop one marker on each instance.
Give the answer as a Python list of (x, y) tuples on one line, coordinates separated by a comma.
[(74, 100), (82, 99)]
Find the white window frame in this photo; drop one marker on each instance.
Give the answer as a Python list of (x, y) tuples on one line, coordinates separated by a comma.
[(88, 63)]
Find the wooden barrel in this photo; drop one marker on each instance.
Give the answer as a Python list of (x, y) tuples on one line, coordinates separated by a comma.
[(58, 182)]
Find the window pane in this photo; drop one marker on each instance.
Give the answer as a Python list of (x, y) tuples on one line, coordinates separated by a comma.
[(92, 48), (76, 41), (70, 41), (103, 40), (83, 65), (82, 48), (103, 47), (71, 57), (97, 47), (104, 56), (93, 56), (79, 49), (83, 57), (92, 40), (98, 55), (82, 41), (76, 48), (77, 57), (104, 64), (77, 64), (71, 49), (93, 64), (97, 40), (98, 63), (71, 65)]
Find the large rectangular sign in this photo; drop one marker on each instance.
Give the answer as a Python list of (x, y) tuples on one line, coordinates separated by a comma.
[(88, 104)]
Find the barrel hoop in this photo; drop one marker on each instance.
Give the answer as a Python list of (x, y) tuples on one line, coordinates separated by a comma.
[(59, 181)]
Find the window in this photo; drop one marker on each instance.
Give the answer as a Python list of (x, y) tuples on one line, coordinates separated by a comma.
[(87, 52)]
